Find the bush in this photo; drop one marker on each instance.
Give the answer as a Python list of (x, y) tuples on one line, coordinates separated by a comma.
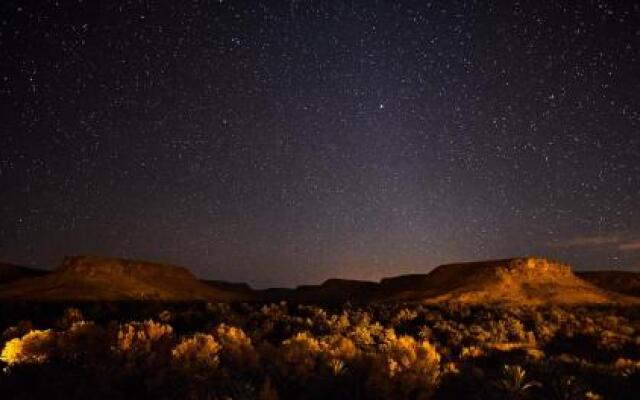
[(35, 347), (83, 341), (298, 356), (196, 353), (405, 368), (237, 350), (145, 343)]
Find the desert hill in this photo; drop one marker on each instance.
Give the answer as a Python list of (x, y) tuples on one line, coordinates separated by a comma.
[(10, 273), (235, 287), (519, 280), (625, 282), (331, 291), (532, 281), (103, 279)]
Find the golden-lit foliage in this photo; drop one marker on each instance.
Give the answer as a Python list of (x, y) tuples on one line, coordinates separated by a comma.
[(237, 348), (298, 355), (405, 366), (625, 366), (144, 344), (406, 351), (142, 336), (196, 352), (34, 347)]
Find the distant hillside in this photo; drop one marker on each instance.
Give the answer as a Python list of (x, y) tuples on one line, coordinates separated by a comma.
[(533, 281), (625, 282), (236, 287), (331, 291), (519, 280), (10, 273), (103, 279)]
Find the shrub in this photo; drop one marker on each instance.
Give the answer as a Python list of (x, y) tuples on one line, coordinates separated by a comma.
[(514, 383), (405, 367), (471, 352), (70, 316), (336, 352), (35, 347), (237, 349), (144, 343), (626, 367), (196, 353), (83, 341), (298, 356)]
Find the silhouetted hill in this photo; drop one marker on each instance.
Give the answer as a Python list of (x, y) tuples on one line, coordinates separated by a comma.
[(625, 282), (10, 273), (103, 279), (331, 291), (237, 287)]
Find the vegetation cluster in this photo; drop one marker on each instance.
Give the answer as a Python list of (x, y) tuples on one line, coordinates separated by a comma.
[(289, 351)]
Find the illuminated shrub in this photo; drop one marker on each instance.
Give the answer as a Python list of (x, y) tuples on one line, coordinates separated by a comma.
[(405, 368), (404, 315), (425, 333), (365, 335), (146, 343), (336, 352), (626, 367), (195, 353), (274, 311), (338, 323), (515, 330), (306, 351), (237, 349), (35, 347), (471, 352), (449, 333), (298, 355), (611, 341)]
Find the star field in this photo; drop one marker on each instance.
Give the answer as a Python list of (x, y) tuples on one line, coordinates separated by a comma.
[(281, 143)]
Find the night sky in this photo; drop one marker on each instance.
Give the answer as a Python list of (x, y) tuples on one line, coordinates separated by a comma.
[(281, 143)]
